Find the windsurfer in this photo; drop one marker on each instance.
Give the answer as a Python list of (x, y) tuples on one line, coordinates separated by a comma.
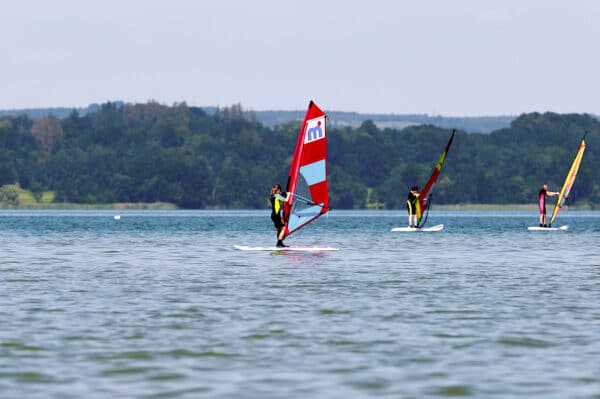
[(542, 202), (277, 216), (412, 203)]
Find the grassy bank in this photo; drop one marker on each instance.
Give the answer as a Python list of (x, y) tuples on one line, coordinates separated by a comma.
[(117, 205), (12, 196)]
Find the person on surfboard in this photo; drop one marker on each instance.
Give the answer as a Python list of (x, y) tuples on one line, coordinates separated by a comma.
[(542, 203), (411, 204), (277, 216)]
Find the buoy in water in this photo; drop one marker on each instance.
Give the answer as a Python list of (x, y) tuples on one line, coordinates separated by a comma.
[(117, 217)]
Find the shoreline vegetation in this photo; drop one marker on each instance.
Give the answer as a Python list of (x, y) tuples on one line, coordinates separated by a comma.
[(12, 196), (152, 153), (15, 197)]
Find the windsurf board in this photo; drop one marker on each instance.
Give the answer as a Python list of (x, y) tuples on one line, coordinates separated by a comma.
[(538, 228), (292, 248), (437, 227)]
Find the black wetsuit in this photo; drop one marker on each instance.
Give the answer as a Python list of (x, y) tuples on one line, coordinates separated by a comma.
[(277, 201), (411, 203)]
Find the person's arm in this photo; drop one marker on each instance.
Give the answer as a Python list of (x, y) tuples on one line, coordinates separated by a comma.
[(552, 193), (282, 198)]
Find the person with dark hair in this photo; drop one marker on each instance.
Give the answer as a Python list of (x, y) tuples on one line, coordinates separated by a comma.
[(412, 203), (542, 203), (277, 216)]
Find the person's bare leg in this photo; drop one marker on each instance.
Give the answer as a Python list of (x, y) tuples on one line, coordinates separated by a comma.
[(280, 237)]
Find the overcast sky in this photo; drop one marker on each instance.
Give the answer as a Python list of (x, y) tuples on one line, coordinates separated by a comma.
[(459, 57)]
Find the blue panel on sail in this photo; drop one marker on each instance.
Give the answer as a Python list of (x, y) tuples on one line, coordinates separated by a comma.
[(297, 219), (315, 172), (312, 211)]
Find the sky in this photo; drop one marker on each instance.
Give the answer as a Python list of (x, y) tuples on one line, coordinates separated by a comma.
[(437, 57)]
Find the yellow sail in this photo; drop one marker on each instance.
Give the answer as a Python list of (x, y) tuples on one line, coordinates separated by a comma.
[(570, 179)]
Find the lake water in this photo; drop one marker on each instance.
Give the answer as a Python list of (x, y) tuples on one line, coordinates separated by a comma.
[(158, 304)]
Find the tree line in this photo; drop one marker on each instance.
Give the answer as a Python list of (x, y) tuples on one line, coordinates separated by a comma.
[(227, 159)]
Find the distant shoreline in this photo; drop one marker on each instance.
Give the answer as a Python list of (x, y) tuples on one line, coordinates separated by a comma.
[(169, 206), (486, 207), (73, 206), (510, 207)]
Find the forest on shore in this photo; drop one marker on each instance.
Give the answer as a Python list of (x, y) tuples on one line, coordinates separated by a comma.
[(146, 153), (272, 118)]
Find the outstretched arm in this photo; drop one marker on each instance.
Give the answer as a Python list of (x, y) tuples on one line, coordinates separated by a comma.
[(282, 198)]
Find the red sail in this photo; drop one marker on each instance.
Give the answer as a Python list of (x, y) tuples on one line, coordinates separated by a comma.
[(308, 178), (423, 201)]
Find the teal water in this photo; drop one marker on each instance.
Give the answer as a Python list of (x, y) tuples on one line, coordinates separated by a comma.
[(160, 305)]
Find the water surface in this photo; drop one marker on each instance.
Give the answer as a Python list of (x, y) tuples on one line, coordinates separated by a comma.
[(158, 304)]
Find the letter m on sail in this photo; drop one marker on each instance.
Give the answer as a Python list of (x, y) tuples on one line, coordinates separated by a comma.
[(315, 130)]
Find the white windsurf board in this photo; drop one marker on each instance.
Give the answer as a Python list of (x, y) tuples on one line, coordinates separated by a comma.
[(291, 248), (538, 228), (437, 227)]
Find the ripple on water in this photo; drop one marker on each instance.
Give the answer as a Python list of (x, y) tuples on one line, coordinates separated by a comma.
[(18, 346), (186, 353), (453, 391), (29, 377), (126, 371), (179, 393), (133, 355), (166, 376), (526, 342)]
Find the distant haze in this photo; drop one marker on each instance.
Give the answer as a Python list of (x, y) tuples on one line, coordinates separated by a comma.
[(452, 58)]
